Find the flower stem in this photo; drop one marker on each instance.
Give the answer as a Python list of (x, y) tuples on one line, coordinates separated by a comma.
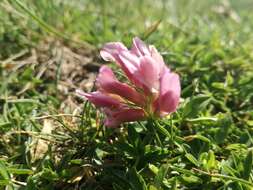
[(161, 129)]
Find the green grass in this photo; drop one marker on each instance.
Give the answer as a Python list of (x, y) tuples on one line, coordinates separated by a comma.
[(47, 144)]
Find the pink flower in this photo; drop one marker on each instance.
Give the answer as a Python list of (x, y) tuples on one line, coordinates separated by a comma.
[(151, 89)]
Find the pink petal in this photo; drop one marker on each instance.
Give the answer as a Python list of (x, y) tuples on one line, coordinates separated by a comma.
[(158, 58), (139, 48), (149, 73), (130, 65), (129, 62), (168, 103), (101, 100), (169, 93), (115, 118), (105, 77), (170, 82), (111, 50), (107, 81), (117, 52)]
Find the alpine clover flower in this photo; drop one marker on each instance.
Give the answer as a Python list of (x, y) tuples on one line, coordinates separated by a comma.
[(151, 89)]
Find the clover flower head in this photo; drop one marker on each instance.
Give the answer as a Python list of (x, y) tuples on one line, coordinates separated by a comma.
[(151, 89)]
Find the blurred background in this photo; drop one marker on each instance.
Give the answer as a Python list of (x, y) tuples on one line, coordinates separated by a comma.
[(99, 21)]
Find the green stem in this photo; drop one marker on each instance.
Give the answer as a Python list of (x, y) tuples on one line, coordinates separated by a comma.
[(137, 161), (224, 177), (153, 131), (162, 130)]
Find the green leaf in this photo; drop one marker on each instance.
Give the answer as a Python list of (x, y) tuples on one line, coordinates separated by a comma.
[(249, 123), (136, 180), (192, 159), (210, 160), (162, 130), (5, 174), (195, 105), (229, 79), (191, 179), (127, 148), (120, 177), (3, 171), (20, 171), (4, 182), (224, 124), (182, 170), (6, 124), (174, 184), (198, 136), (49, 174), (133, 136), (247, 166), (219, 85), (163, 170), (152, 187), (153, 168), (117, 187)]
